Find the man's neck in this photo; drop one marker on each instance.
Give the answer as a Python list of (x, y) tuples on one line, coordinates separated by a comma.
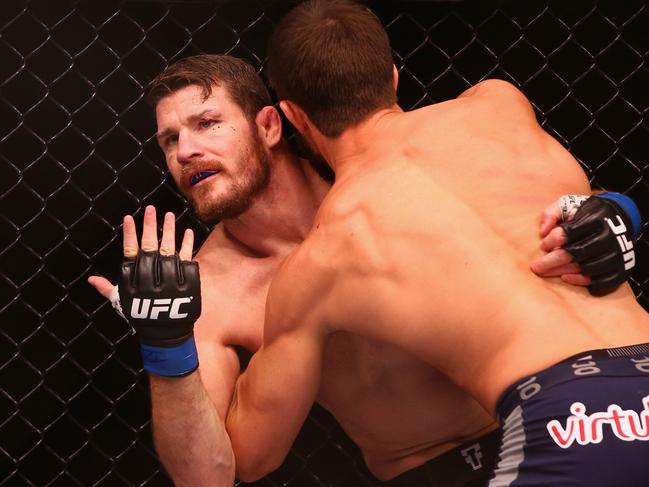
[(355, 142), (282, 214)]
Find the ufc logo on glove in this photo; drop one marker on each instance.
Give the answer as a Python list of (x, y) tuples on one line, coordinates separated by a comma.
[(627, 247), (140, 308), (161, 295), (599, 219)]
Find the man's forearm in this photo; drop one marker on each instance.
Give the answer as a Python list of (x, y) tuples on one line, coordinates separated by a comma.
[(189, 434)]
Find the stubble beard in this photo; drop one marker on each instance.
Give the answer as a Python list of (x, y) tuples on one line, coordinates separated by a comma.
[(240, 193)]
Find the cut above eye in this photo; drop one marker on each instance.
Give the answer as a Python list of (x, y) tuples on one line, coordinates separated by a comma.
[(199, 176)]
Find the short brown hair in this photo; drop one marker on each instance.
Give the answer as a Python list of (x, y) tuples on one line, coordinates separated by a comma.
[(332, 58), (240, 79)]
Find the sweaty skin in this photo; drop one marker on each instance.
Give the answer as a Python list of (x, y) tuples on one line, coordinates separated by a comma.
[(425, 245)]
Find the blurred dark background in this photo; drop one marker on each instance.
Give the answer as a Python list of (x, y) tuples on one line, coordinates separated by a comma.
[(77, 152)]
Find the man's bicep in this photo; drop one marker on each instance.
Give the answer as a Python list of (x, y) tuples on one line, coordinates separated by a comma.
[(292, 328), (272, 400), (275, 393)]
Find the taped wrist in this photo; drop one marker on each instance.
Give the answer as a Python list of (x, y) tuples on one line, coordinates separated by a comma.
[(161, 299), (569, 204), (600, 238)]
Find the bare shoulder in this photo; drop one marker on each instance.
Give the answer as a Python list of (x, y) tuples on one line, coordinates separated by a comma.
[(499, 95), (234, 293), (493, 88), (300, 288), (304, 272)]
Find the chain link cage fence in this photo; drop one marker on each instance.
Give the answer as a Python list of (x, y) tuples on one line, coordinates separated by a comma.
[(77, 152)]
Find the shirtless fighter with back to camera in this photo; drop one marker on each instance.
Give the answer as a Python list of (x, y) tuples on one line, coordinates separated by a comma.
[(423, 242), (398, 409), (266, 198)]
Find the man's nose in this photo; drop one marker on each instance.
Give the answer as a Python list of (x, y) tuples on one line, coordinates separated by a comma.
[(189, 147)]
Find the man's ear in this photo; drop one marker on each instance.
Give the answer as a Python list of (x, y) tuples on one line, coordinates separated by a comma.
[(269, 125), (295, 115), (395, 77)]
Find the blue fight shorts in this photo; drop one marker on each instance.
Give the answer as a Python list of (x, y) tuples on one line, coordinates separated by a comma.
[(582, 422)]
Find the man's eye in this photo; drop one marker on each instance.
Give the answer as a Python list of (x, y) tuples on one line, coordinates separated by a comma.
[(171, 140), (205, 124)]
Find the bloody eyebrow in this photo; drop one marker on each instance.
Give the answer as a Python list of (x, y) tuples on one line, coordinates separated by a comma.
[(201, 114)]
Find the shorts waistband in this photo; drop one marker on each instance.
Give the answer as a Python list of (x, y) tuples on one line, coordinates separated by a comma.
[(604, 353), (620, 361)]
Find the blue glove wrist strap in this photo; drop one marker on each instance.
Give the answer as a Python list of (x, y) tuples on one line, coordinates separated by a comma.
[(629, 207), (170, 361)]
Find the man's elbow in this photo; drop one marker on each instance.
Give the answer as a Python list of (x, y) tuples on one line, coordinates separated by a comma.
[(253, 465), (214, 468), (220, 471)]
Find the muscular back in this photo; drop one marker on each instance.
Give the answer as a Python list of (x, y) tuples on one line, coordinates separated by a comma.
[(396, 408), (425, 243)]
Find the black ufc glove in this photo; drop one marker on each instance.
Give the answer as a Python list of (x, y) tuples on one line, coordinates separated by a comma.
[(161, 298), (600, 238)]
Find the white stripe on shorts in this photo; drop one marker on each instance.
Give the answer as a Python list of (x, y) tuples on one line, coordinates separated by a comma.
[(512, 451)]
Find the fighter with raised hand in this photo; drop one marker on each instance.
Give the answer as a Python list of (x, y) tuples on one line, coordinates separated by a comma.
[(159, 295), (224, 150), (161, 299)]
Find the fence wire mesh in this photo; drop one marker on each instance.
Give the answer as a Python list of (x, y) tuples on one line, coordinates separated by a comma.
[(77, 152)]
